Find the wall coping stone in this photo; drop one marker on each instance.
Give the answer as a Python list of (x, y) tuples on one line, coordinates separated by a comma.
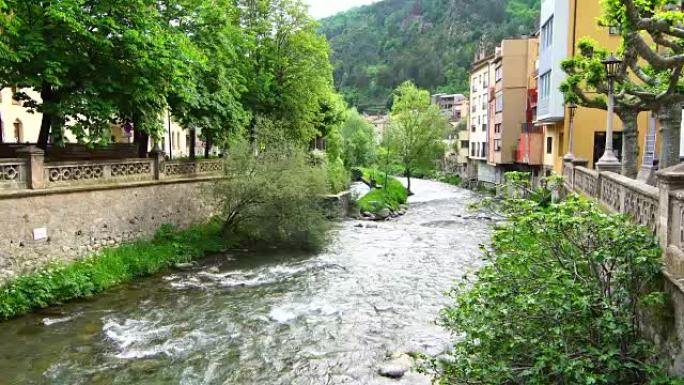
[(633, 184), (13, 194)]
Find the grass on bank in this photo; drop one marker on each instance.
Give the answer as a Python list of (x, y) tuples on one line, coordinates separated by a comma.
[(63, 282), (390, 195)]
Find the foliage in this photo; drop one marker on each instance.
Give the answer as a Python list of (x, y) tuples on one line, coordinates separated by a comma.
[(416, 130), (273, 197), (454, 180), (60, 283), (559, 301), (431, 42), (338, 176), (288, 71), (389, 192), (359, 140)]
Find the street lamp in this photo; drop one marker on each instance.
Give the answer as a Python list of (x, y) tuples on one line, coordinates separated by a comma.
[(609, 161), (572, 110)]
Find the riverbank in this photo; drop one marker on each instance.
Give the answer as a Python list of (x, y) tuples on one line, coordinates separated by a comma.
[(59, 283)]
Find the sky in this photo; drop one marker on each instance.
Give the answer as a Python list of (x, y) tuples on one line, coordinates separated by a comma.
[(322, 8)]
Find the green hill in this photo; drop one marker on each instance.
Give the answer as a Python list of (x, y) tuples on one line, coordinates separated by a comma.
[(431, 42)]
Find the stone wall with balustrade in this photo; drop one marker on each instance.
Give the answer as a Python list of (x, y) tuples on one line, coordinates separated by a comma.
[(659, 208), (33, 172), (60, 211)]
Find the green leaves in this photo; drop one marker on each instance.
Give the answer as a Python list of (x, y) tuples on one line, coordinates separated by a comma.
[(558, 302)]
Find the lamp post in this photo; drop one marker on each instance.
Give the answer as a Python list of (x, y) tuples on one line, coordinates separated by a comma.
[(609, 161), (572, 110)]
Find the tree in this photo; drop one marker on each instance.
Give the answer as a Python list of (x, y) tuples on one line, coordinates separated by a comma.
[(660, 86), (416, 130), (360, 143), (288, 70), (587, 85), (211, 104), (92, 62)]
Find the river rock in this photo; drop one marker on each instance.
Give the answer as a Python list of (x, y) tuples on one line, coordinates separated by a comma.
[(214, 270), (397, 367), (184, 265), (367, 214), (384, 213)]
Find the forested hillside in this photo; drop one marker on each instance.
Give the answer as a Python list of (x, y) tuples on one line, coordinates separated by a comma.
[(431, 42)]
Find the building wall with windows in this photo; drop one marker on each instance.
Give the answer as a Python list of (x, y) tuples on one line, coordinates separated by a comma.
[(19, 125), (479, 105)]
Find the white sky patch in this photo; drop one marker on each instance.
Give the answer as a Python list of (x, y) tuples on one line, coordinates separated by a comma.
[(323, 8)]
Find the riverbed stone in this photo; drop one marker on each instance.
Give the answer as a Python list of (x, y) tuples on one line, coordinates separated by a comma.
[(384, 213), (397, 367)]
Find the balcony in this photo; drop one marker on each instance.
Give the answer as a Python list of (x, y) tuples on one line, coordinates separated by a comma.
[(530, 145)]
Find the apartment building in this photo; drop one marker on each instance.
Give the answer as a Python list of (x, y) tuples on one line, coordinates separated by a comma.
[(563, 24), (481, 77), (456, 108), (512, 65)]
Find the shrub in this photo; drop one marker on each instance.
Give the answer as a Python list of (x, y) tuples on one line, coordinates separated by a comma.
[(389, 194), (274, 198), (60, 282), (559, 302), (338, 176), (452, 180)]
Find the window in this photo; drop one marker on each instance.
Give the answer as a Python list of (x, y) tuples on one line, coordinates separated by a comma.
[(497, 145), (546, 35), (545, 86), (483, 150), (472, 149), (18, 131), (497, 128), (472, 128), (498, 75), (484, 126), (499, 102), (464, 144), (485, 81), (549, 145)]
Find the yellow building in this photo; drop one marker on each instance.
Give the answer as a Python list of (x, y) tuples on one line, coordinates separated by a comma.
[(18, 125), (564, 23)]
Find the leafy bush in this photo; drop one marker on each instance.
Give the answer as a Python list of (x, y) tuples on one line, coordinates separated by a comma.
[(452, 180), (389, 194), (338, 176), (274, 197), (559, 302), (60, 283)]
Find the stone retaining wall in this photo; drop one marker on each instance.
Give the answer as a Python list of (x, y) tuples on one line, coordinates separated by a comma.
[(39, 226)]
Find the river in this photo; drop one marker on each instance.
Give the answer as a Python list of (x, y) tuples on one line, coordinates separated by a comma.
[(271, 318)]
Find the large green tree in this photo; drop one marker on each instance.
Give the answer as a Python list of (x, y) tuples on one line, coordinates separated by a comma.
[(416, 130), (360, 142), (92, 61), (211, 104), (288, 70)]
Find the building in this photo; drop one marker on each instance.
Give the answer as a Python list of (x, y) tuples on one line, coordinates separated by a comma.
[(563, 24), (456, 108), (480, 78), (512, 65), (380, 123), (18, 125)]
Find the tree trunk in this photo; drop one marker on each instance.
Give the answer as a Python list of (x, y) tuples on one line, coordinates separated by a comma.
[(670, 126), (630, 144), (46, 123), (193, 142), (408, 181), (207, 148)]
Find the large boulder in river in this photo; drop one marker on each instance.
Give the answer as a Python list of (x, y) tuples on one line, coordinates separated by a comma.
[(383, 213), (397, 367)]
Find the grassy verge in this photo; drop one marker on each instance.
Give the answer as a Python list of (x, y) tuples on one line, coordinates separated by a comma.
[(451, 179), (63, 282), (391, 194)]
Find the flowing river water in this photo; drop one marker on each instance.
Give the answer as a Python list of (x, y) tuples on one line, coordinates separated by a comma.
[(278, 318)]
